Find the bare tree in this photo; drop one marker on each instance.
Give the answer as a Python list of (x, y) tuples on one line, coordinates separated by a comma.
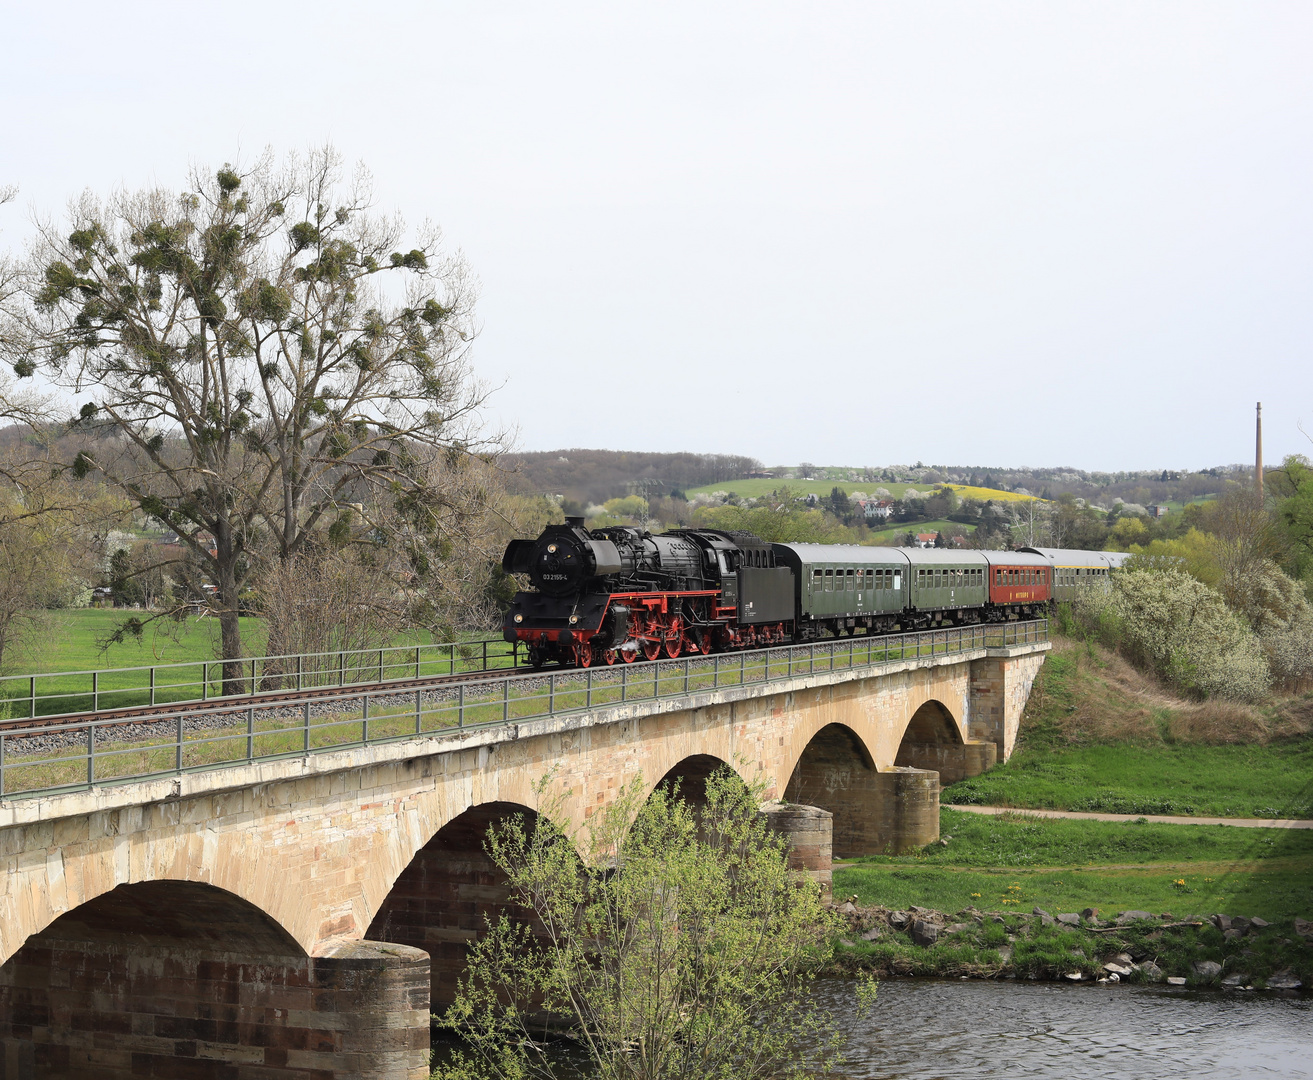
[(1029, 521), (263, 357)]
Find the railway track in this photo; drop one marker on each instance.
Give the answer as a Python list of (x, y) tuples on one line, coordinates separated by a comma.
[(239, 703)]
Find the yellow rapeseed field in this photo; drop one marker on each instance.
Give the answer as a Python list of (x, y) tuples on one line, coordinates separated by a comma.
[(966, 491)]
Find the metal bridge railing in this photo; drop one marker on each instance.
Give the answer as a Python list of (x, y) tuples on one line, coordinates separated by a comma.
[(50, 758), (66, 693)]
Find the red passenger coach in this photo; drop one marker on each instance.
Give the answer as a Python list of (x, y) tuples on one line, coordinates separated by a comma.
[(1020, 584)]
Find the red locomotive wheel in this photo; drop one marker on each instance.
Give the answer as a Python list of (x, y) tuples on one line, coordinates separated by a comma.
[(608, 656), (675, 638), (629, 655), (583, 655), (651, 649)]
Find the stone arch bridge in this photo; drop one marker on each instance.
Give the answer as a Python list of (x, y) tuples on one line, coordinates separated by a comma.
[(301, 917)]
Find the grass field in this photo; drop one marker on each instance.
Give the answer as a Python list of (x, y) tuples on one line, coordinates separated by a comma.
[(995, 863), (751, 489), (1099, 736), (895, 534), (73, 641)]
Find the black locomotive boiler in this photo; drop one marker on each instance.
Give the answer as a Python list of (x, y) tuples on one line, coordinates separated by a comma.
[(618, 594)]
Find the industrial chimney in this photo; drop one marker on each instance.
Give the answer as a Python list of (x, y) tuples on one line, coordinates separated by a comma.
[(1258, 453)]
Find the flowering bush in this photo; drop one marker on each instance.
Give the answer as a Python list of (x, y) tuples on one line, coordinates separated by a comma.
[(1170, 622)]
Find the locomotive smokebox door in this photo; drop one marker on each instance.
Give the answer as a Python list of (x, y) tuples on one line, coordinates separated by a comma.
[(765, 595)]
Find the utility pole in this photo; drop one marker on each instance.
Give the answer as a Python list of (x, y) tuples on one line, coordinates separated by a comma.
[(1258, 453)]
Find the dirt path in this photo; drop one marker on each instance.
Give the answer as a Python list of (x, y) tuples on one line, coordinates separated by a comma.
[(1161, 819)]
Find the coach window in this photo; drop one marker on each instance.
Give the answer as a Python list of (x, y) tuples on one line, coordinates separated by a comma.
[(850, 576), (816, 581), (829, 580)]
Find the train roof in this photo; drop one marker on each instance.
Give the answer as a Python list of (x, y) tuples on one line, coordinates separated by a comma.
[(1077, 557), (847, 553), (953, 556), (1025, 557)]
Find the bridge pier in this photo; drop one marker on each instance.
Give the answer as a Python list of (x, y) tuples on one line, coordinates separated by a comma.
[(874, 812), (932, 742), (1000, 687)]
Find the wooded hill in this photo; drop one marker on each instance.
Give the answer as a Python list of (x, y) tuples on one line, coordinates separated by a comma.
[(593, 476)]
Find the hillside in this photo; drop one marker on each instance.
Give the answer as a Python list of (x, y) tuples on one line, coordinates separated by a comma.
[(594, 476)]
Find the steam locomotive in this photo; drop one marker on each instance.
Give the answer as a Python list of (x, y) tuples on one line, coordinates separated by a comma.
[(620, 594)]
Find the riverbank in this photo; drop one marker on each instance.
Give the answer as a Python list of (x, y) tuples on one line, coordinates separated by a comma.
[(1235, 952)]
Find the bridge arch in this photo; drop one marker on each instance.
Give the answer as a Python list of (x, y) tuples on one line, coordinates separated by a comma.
[(441, 901), (692, 773), (170, 977), (934, 740), (836, 772)]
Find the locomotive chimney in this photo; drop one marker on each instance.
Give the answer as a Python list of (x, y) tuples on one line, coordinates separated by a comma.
[(1258, 453)]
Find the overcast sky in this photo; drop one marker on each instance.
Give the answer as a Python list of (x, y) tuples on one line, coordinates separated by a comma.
[(977, 233)]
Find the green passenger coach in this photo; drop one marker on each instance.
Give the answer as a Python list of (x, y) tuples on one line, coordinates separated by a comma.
[(842, 587)]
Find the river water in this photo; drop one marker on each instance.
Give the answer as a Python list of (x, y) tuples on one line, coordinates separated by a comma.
[(928, 1029)]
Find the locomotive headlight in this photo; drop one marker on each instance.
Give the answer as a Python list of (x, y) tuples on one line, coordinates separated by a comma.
[(574, 619), (519, 618), (551, 549)]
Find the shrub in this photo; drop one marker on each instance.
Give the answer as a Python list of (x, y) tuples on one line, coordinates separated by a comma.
[(1170, 622)]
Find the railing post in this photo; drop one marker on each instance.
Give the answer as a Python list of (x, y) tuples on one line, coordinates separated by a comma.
[(91, 754), (298, 672), (460, 706), (485, 655), (624, 683), (95, 691), (417, 661), (341, 669), (177, 748), (250, 733), (152, 685), (305, 713), (551, 693), (364, 723), (419, 724), (380, 665), (505, 700), (588, 692), (688, 667), (32, 690), (2, 764)]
